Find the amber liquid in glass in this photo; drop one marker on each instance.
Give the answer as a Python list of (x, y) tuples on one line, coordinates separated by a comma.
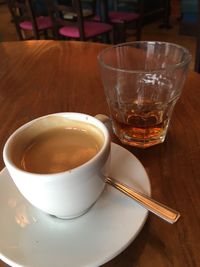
[(141, 124)]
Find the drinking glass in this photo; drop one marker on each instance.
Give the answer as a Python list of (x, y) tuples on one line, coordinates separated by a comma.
[(142, 82)]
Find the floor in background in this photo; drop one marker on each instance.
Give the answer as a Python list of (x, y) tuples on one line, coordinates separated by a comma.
[(150, 32)]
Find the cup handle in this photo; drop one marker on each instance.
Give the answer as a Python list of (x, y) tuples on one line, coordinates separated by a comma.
[(106, 121)]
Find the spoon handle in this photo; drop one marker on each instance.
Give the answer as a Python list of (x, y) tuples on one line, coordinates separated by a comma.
[(150, 204)]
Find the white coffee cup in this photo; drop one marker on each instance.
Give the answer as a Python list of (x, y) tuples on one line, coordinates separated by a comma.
[(65, 194)]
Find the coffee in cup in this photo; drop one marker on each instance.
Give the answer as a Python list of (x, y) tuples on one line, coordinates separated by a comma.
[(61, 147)]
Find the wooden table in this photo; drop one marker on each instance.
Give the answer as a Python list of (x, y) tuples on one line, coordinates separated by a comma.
[(42, 77)]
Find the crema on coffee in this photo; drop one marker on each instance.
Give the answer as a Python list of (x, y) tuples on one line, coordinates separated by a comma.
[(59, 148)]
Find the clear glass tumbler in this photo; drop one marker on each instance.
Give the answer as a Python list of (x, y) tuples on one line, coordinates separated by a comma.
[(142, 82)]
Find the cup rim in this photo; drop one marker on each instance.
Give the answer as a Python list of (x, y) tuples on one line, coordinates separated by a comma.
[(184, 62), (102, 128)]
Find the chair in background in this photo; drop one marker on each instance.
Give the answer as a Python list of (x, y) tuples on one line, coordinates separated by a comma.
[(122, 20), (77, 27), (26, 20)]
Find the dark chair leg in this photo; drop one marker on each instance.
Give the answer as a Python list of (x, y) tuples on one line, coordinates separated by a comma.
[(46, 36), (106, 38), (19, 33), (119, 33), (115, 34), (122, 37), (138, 30)]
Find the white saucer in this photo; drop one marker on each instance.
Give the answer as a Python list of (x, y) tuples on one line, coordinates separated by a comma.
[(32, 238)]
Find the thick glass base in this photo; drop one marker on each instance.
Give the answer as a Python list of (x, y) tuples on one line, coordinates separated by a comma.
[(142, 143)]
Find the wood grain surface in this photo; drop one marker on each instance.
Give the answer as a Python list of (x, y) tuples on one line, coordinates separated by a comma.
[(43, 77)]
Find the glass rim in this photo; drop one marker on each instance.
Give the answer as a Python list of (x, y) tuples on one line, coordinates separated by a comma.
[(184, 62)]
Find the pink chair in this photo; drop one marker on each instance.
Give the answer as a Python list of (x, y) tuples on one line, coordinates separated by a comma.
[(77, 27), (121, 19), (24, 18)]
